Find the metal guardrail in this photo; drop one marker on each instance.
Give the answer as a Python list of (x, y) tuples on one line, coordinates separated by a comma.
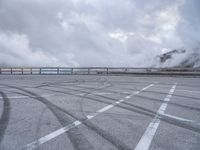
[(97, 71)]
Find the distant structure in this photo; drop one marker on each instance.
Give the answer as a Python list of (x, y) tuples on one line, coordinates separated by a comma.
[(166, 56), (193, 60)]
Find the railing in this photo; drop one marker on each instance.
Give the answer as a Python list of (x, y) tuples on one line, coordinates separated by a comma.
[(97, 71)]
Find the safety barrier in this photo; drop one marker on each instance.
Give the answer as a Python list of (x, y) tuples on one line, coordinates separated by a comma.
[(97, 71)]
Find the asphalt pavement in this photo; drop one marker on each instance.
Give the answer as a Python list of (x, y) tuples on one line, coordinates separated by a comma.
[(89, 112)]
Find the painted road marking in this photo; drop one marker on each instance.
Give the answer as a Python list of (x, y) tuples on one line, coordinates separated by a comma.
[(137, 92), (169, 96), (105, 108), (76, 123), (80, 94), (125, 92), (58, 132), (90, 116), (121, 100), (50, 136), (145, 88), (147, 137)]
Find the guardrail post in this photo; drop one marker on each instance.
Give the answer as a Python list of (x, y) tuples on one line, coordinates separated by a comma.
[(11, 71), (57, 70), (72, 71), (22, 69), (40, 71), (31, 70), (107, 70), (88, 70)]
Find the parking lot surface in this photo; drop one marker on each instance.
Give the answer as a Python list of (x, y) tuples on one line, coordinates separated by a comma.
[(88, 112)]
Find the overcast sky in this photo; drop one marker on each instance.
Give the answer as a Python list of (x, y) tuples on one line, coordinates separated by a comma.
[(96, 32)]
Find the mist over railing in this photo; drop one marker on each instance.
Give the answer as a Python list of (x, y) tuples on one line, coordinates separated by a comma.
[(97, 71)]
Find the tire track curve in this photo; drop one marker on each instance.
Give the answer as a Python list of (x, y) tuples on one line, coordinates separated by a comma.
[(5, 117)]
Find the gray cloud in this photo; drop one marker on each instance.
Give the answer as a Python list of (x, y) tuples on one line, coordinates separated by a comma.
[(95, 32)]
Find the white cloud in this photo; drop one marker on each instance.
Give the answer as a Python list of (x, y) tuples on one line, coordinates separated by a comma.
[(120, 35), (16, 51), (95, 32)]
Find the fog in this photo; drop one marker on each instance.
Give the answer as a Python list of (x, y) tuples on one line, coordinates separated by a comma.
[(114, 33)]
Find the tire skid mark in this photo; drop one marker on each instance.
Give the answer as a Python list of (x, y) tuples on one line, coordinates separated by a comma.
[(92, 88), (177, 95), (76, 90), (76, 81), (39, 122), (145, 98), (73, 132), (91, 91), (107, 90), (105, 135), (151, 115), (114, 141), (190, 126), (142, 111), (186, 125), (5, 115), (102, 85), (44, 84), (112, 100), (78, 140), (171, 103)]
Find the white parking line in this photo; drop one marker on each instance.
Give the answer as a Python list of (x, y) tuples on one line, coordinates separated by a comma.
[(105, 108), (127, 97), (121, 100), (80, 94), (145, 88), (137, 92), (58, 132), (50, 136), (90, 116), (147, 137)]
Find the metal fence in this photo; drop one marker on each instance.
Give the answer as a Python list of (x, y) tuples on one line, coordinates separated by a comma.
[(97, 71)]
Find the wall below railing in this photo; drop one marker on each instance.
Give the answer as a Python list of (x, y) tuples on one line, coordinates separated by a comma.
[(98, 71)]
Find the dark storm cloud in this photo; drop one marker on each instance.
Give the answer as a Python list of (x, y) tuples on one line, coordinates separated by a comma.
[(95, 32)]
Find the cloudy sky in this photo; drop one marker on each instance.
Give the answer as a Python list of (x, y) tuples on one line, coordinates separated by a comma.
[(82, 33)]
